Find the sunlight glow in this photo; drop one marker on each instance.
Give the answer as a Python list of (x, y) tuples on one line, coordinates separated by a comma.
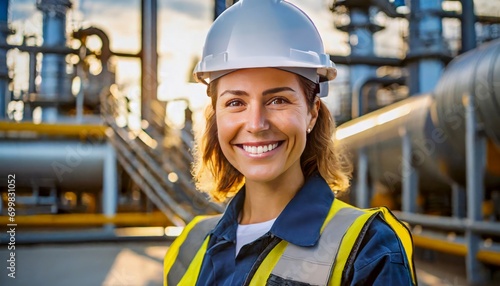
[(371, 121), (37, 115), (393, 114), (140, 231), (132, 266), (76, 85), (172, 177), (173, 231), (355, 128), (146, 139)]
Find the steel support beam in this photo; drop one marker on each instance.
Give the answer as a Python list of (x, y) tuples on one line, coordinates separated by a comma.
[(458, 201), (363, 195), (426, 41), (149, 56), (475, 166), (110, 183), (468, 29), (410, 176), (450, 223), (4, 71)]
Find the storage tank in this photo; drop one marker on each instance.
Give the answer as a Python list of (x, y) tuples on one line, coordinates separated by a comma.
[(436, 125)]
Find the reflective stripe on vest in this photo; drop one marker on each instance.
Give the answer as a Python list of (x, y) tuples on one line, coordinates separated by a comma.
[(309, 265), (314, 265), (405, 237), (346, 245), (185, 247)]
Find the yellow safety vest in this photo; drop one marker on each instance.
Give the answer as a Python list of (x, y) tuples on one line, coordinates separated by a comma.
[(322, 264)]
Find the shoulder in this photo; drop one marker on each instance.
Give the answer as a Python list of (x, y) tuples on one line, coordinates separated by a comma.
[(184, 247), (192, 235), (380, 258), (379, 240), (200, 226)]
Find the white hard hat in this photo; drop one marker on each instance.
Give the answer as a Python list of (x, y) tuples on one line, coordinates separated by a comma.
[(265, 33)]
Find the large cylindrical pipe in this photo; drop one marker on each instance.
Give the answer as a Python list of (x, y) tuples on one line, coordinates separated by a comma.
[(475, 73), (380, 133), (71, 165), (436, 125), (55, 86)]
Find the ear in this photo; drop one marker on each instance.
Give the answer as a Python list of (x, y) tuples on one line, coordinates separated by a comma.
[(314, 112)]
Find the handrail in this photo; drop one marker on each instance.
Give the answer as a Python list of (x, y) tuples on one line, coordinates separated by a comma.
[(149, 167)]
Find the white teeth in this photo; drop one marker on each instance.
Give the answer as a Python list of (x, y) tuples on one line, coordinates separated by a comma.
[(260, 149)]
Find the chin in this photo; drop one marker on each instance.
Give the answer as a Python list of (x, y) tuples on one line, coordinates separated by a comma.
[(261, 175)]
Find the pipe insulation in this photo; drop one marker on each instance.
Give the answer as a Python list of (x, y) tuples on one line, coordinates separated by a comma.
[(435, 123), (70, 165), (475, 73)]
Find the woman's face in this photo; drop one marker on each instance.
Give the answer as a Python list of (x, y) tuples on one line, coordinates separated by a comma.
[(262, 120)]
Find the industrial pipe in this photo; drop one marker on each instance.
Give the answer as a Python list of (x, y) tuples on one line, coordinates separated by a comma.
[(95, 84), (67, 164), (366, 60), (90, 219), (55, 84), (475, 73), (388, 8), (89, 235), (358, 100), (105, 48), (436, 126), (425, 241)]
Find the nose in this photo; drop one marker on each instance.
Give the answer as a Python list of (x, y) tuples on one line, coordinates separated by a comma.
[(257, 120)]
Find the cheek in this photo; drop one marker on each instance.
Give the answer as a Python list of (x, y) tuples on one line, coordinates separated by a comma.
[(297, 119), (225, 129), (220, 128)]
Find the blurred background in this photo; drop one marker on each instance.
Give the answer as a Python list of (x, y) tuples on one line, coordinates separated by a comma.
[(98, 108)]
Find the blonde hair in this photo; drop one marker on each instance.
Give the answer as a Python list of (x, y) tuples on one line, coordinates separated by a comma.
[(214, 174)]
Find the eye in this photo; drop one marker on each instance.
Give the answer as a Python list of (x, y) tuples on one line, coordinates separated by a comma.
[(278, 100), (234, 103)]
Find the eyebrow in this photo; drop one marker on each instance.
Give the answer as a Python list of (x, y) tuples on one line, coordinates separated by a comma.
[(264, 93)]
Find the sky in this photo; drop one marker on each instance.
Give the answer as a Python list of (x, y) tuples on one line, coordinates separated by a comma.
[(182, 26)]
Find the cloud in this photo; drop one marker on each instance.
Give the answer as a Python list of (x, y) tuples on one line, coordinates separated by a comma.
[(197, 9), (21, 9)]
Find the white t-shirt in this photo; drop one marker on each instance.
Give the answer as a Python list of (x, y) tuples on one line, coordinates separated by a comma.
[(247, 233)]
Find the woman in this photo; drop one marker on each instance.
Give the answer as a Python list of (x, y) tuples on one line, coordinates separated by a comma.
[(268, 146)]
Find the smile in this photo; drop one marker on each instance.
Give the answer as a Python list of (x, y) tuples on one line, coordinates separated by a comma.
[(257, 150)]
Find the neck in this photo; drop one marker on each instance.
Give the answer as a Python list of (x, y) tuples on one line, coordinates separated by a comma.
[(265, 200)]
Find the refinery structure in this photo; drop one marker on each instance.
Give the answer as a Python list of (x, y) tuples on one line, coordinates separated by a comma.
[(422, 130)]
